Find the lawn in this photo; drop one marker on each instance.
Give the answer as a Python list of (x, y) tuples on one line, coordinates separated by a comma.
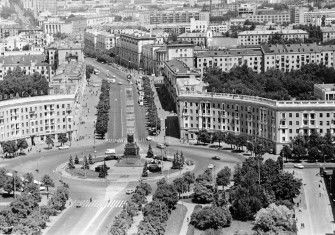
[(175, 221), (239, 227), (82, 173)]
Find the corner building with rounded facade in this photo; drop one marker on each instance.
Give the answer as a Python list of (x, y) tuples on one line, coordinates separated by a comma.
[(275, 121)]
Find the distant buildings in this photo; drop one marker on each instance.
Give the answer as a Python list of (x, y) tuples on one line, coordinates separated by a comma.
[(328, 33), (130, 48), (100, 40), (8, 28), (270, 16), (199, 39), (169, 17), (259, 37)]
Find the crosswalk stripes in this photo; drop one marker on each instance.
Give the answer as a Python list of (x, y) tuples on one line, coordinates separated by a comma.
[(98, 203)]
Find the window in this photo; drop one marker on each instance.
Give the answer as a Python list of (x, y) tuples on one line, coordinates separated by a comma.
[(297, 115)]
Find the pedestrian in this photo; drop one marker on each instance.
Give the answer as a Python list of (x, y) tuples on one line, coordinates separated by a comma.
[(90, 199)]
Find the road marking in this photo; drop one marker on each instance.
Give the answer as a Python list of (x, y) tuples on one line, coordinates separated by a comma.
[(98, 203)]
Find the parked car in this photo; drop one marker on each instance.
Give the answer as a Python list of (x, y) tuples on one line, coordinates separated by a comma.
[(148, 138), (210, 166), (120, 83), (299, 166), (216, 158)]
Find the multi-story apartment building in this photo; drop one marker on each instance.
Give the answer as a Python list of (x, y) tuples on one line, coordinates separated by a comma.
[(8, 28), (106, 41), (154, 55), (270, 16), (328, 33), (199, 39), (130, 48), (184, 16), (260, 37), (33, 118), (315, 17), (63, 52), (229, 58), (277, 122), (292, 56), (260, 59), (30, 64)]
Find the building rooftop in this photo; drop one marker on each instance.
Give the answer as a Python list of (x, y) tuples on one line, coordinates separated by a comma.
[(296, 48), (327, 29), (325, 87), (26, 60), (270, 32), (193, 35), (179, 67), (35, 99), (65, 44), (230, 52)]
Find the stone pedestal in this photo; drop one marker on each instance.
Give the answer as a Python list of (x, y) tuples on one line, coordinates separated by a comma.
[(131, 149)]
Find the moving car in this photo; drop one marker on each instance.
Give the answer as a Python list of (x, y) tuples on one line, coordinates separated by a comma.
[(148, 138), (216, 158), (299, 166), (120, 83), (210, 166), (161, 146), (63, 147), (130, 191)]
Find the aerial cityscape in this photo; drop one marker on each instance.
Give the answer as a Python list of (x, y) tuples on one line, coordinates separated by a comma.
[(166, 117)]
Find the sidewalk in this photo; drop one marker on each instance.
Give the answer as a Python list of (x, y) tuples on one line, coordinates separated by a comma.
[(190, 208)]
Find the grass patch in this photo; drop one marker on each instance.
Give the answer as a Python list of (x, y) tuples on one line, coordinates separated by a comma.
[(165, 172), (130, 162), (239, 227), (175, 221), (81, 173)]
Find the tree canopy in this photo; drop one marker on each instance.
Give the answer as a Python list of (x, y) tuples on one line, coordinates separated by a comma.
[(272, 84)]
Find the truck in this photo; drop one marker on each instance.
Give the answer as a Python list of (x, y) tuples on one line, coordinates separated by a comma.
[(110, 154)]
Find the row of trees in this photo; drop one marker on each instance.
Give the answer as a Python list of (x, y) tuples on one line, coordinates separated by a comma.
[(102, 56), (236, 141), (313, 147), (17, 84), (152, 116), (11, 147), (156, 213), (272, 84), (103, 109), (124, 220), (24, 215)]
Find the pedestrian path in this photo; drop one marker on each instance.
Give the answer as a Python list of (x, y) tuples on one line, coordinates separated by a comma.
[(123, 140), (98, 203)]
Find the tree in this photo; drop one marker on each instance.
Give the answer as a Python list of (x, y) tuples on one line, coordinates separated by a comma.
[(145, 170), (314, 154), (189, 178), (285, 186), (103, 171), (299, 151), (85, 166), (150, 153), (22, 144), (280, 162), (10, 182), (230, 139), (286, 152), (276, 219), (156, 209), (89, 71), (62, 138), (48, 182), (76, 160), (167, 194), (33, 190), (90, 159), (211, 218), (28, 177), (49, 141), (204, 136), (205, 178), (23, 206), (218, 136), (9, 147), (223, 176), (180, 185), (202, 194), (3, 176), (70, 163)]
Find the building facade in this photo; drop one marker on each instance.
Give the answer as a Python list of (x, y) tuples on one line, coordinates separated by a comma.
[(275, 121), (33, 118), (130, 48), (259, 37)]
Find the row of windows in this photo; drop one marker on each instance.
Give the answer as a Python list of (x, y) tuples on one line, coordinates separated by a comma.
[(306, 115)]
